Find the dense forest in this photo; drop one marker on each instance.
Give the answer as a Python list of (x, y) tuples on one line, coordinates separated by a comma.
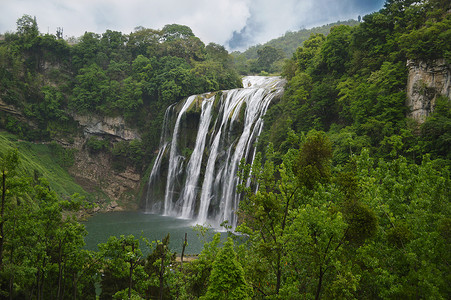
[(353, 198), (270, 57)]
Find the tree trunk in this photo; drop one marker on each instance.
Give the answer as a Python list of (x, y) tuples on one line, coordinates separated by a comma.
[(320, 282), (2, 221), (162, 271), (183, 251), (74, 282), (130, 280), (11, 285), (60, 271), (41, 288), (279, 274)]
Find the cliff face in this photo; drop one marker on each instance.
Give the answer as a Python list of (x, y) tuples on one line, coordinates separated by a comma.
[(95, 172), (111, 126), (426, 81)]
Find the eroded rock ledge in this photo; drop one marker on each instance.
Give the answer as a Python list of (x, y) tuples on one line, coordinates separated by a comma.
[(102, 125)]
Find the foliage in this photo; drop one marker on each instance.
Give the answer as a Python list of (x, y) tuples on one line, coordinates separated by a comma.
[(255, 59), (122, 258), (352, 82), (344, 237), (435, 132), (40, 251), (227, 276), (136, 76), (349, 201), (96, 145), (129, 153)]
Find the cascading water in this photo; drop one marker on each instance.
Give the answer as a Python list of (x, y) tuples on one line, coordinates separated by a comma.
[(211, 135)]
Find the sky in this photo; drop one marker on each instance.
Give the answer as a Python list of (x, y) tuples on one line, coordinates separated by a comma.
[(236, 24)]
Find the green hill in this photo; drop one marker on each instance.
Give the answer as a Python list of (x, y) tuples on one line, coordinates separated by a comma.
[(270, 56), (291, 40), (47, 160)]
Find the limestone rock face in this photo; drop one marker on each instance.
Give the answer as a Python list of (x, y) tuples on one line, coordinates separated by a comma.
[(95, 173), (101, 125), (426, 81)]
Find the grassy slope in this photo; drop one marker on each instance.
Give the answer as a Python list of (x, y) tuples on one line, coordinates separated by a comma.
[(38, 159)]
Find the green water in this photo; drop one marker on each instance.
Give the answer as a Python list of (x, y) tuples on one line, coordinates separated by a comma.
[(153, 227)]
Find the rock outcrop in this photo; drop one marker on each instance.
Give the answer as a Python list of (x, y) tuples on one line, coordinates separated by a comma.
[(96, 174), (13, 111), (426, 81), (110, 126)]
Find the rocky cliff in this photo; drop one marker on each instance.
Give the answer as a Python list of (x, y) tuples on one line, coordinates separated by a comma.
[(101, 125), (426, 81), (96, 174), (95, 171)]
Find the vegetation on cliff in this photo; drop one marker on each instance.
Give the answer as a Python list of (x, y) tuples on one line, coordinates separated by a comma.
[(352, 84), (352, 199)]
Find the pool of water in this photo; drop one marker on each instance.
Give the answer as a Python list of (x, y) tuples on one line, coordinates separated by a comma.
[(153, 227)]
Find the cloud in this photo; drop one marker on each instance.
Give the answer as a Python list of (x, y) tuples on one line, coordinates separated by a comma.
[(236, 24), (270, 19)]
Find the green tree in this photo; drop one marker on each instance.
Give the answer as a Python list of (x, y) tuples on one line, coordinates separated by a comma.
[(173, 32), (335, 50), (198, 272), (122, 258), (265, 219), (157, 268), (310, 48), (315, 155), (143, 41), (91, 90), (227, 276), (86, 51), (409, 201), (28, 31), (315, 247), (435, 132), (8, 165), (27, 25), (266, 57)]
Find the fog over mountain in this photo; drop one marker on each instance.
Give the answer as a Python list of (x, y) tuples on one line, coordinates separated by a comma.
[(237, 24)]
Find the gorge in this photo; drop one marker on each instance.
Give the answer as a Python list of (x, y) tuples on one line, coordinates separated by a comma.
[(203, 140)]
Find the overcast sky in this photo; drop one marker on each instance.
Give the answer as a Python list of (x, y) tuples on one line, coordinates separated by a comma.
[(237, 24)]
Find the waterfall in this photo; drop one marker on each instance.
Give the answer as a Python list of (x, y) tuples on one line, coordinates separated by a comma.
[(212, 133), (153, 178)]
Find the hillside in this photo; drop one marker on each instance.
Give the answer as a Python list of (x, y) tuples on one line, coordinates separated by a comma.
[(291, 40), (270, 57), (48, 160)]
